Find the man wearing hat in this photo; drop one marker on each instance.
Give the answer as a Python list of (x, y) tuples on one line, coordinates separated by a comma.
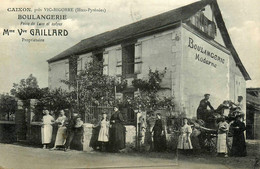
[(202, 109)]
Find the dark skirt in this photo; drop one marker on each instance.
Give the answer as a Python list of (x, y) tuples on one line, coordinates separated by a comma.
[(159, 142), (117, 137), (238, 146)]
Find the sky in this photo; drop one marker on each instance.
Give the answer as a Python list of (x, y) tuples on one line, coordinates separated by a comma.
[(20, 59)]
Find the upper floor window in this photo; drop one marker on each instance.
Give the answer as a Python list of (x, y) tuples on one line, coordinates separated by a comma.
[(200, 21), (129, 59)]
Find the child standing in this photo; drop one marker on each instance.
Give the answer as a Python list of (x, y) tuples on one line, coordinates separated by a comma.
[(222, 136), (103, 136), (184, 142)]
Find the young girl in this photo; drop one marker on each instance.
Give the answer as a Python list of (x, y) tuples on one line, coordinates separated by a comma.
[(46, 130), (103, 132), (222, 137), (184, 142)]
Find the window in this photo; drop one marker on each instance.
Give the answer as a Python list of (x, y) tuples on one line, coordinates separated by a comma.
[(200, 21), (129, 59), (98, 60), (99, 57)]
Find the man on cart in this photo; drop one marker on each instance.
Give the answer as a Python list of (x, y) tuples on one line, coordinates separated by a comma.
[(202, 111)]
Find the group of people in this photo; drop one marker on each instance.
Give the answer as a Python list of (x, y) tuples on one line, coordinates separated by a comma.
[(226, 127), (111, 134), (67, 129)]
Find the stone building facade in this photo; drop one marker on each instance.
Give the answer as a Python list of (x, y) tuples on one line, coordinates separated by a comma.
[(191, 43)]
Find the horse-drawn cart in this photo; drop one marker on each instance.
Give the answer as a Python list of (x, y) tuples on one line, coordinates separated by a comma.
[(208, 132)]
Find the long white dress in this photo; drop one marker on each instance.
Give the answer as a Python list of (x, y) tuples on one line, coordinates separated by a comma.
[(103, 132), (61, 133), (46, 129), (184, 141), (222, 137)]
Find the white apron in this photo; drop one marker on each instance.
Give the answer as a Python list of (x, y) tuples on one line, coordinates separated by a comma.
[(103, 132), (222, 143), (46, 129), (62, 132), (222, 138)]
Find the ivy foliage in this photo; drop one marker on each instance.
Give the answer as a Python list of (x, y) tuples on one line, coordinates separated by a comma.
[(95, 88), (148, 97), (150, 84)]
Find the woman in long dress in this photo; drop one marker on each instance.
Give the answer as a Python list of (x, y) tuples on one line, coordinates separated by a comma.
[(223, 127), (159, 136), (239, 145), (103, 132), (184, 142), (62, 130), (46, 129), (116, 132)]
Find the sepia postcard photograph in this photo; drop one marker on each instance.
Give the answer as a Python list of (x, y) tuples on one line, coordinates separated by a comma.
[(130, 84)]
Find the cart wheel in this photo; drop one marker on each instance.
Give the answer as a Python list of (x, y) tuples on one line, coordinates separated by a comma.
[(210, 144)]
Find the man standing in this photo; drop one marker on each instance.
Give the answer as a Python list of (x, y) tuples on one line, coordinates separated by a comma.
[(202, 111), (74, 128)]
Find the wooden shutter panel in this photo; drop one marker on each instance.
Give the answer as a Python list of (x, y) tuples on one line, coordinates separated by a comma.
[(119, 61), (79, 65), (105, 63), (67, 70), (138, 57)]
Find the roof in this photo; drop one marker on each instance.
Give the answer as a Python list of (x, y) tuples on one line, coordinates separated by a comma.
[(257, 89), (253, 91), (227, 40), (150, 25), (252, 101), (128, 31)]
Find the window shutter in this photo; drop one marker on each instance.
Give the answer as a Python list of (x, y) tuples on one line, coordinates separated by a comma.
[(105, 63), (138, 52), (138, 57), (84, 61), (67, 70), (79, 65), (119, 61), (193, 20)]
